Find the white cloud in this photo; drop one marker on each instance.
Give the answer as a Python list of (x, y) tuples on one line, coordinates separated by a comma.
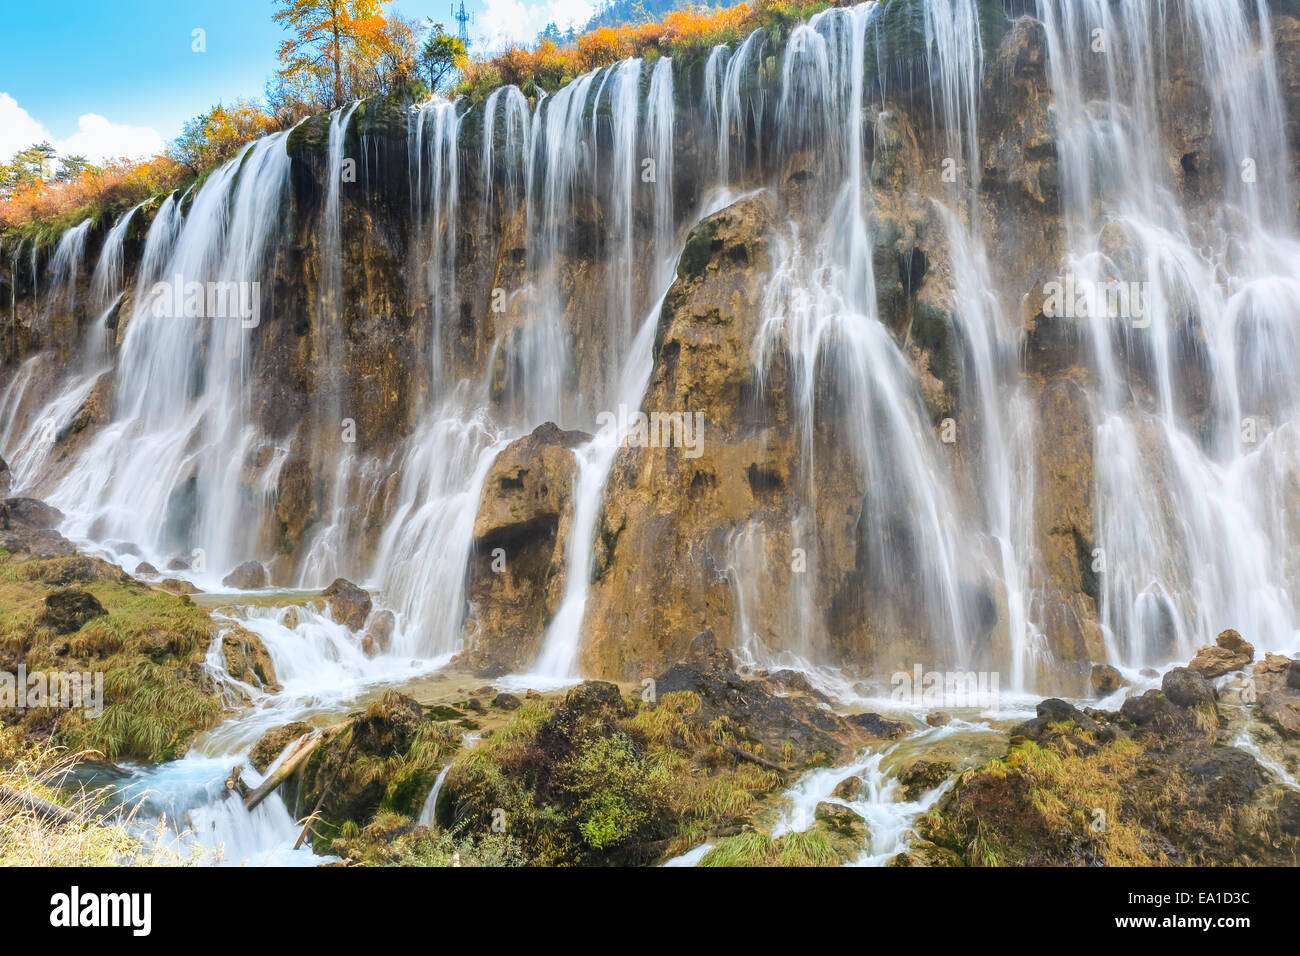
[(96, 138), (509, 21), (17, 128)]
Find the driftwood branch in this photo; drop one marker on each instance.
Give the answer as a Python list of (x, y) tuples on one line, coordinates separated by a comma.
[(755, 758), (295, 756), (46, 810)]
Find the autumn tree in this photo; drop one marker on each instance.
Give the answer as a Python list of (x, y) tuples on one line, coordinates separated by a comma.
[(329, 40), (217, 135)]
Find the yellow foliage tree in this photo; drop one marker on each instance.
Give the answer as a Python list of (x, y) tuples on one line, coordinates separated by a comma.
[(330, 38)]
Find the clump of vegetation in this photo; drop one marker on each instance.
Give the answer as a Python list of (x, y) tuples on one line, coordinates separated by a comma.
[(1154, 785), (595, 779), (149, 646), (392, 840), (798, 848)]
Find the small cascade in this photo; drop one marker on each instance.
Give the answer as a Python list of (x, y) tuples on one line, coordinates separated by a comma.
[(65, 272), (106, 284)]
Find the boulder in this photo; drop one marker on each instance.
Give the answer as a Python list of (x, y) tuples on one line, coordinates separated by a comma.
[(848, 788), (30, 514), (249, 576), (177, 586), (144, 567), (507, 702), (68, 609), (348, 604), (6, 479), (1106, 679), (42, 544), (379, 634), (1186, 687), (940, 718), (840, 819), (247, 660), (921, 776), (1230, 653)]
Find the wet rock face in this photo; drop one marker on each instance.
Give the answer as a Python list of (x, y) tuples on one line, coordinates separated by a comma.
[(516, 574), (670, 505), (1064, 519), (247, 659)]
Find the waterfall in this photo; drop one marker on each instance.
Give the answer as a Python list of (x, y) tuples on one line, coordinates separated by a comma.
[(1192, 403), (65, 270), (165, 473), (582, 211), (106, 285)]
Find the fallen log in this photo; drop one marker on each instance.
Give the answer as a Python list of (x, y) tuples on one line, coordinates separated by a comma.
[(295, 756), (755, 758), (46, 810)]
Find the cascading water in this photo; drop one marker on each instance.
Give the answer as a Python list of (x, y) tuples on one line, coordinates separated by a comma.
[(1193, 405), (165, 473), (181, 469)]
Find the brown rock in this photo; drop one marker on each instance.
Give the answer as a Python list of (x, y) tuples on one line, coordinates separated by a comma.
[(348, 604), (379, 633), (273, 743), (516, 575), (1232, 653), (249, 576), (1106, 679), (177, 586), (246, 659)]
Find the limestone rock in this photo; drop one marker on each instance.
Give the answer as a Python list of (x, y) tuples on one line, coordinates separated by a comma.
[(249, 576), (516, 574), (348, 604), (1106, 679), (840, 819), (247, 659), (1231, 653), (379, 632), (273, 743), (1187, 687)]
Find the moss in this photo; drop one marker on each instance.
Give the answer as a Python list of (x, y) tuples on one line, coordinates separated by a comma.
[(607, 782), (697, 251)]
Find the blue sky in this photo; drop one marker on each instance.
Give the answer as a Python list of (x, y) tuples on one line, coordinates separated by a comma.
[(107, 78)]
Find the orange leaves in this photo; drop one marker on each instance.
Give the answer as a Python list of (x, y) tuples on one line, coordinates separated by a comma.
[(549, 65), (123, 181)]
